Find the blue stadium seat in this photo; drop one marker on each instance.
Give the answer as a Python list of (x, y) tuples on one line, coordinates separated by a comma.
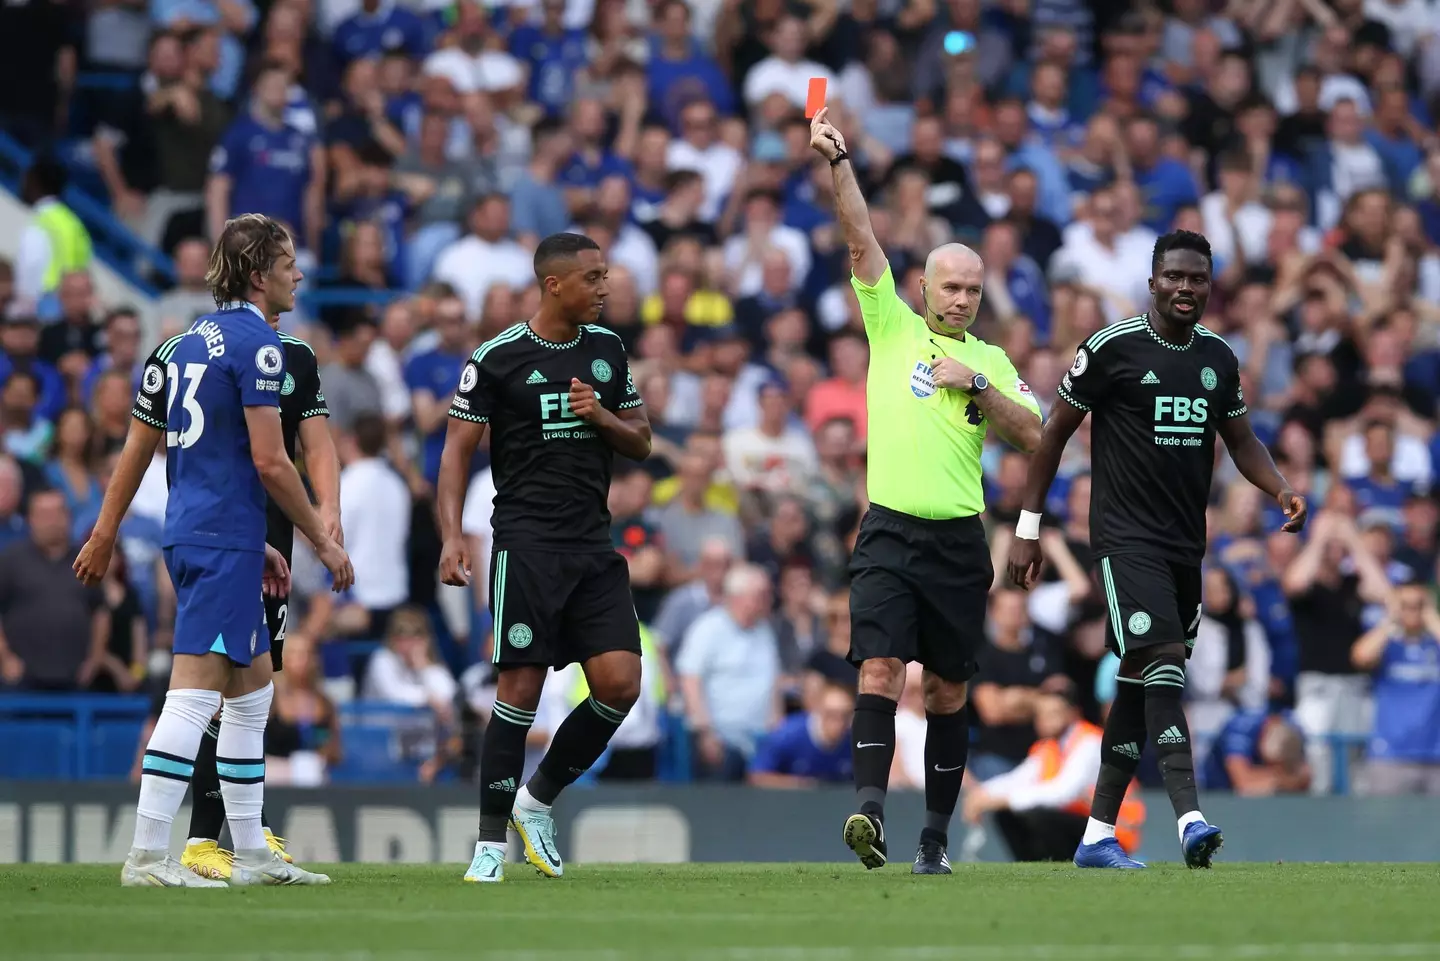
[(370, 756), (38, 749), (110, 746)]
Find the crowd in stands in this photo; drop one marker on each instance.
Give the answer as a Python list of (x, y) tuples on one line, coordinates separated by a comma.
[(419, 149)]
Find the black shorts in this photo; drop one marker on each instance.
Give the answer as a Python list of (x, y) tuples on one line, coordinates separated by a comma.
[(551, 609), (918, 591), (277, 619), (1150, 601)]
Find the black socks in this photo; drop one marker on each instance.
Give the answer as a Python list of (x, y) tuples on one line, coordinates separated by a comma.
[(873, 733), (1168, 731), (502, 763)]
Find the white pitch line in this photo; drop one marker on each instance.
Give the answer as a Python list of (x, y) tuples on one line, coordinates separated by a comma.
[(952, 952)]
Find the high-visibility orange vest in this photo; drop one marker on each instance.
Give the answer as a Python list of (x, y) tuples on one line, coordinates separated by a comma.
[(1052, 752)]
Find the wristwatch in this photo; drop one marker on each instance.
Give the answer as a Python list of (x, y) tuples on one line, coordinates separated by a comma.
[(981, 382)]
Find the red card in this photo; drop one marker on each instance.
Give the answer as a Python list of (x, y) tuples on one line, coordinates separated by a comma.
[(814, 97)]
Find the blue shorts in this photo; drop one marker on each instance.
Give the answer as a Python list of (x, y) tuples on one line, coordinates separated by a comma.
[(219, 602)]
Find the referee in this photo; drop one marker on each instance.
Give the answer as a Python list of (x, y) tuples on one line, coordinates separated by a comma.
[(921, 571)]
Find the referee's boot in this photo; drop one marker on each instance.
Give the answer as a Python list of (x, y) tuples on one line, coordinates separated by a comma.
[(865, 835), (1200, 843), (931, 857)]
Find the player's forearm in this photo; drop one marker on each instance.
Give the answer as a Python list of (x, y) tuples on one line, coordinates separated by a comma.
[(461, 439), (322, 462), (867, 260), (628, 437), (1044, 465), (1257, 466), (282, 482), (1018, 426), (135, 457)]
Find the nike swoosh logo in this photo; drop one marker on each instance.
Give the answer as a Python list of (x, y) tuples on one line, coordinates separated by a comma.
[(860, 745), (947, 770)]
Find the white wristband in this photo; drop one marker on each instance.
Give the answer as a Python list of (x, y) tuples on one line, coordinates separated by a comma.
[(1027, 528)]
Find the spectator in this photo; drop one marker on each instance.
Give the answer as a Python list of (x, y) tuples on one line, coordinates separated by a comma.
[(55, 243), (405, 670), (70, 344), (1327, 585), (56, 631), (1403, 654), (1257, 753), (729, 670), (637, 539), (696, 595), (775, 456), (71, 469), (12, 488), (190, 298), (432, 377), (26, 434), (375, 515), (688, 521), (1012, 667), (843, 394), (484, 258), (809, 748), (1041, 807), (19, 346), (351, 390), (121, 354), (1229, 665), (303, 735)]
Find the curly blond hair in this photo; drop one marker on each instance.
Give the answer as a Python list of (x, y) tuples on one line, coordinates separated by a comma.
[(250, 243)]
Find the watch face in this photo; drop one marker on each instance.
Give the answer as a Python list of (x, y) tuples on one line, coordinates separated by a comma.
[(981, 382)]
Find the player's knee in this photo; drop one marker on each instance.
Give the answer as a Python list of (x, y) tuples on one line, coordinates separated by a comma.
[(618, 693), (1162, 668), (1136, 663), (519, 687), (942, 696), (884, 676)]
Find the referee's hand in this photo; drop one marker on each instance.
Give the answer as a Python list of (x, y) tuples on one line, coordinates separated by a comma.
[(1024, 563)]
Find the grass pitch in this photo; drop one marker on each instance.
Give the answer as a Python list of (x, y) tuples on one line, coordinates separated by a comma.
[(742, 912)]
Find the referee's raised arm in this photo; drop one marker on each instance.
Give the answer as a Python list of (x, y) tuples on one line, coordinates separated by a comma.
[(867, 260)]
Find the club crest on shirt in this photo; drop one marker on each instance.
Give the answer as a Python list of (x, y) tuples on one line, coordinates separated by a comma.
[(1208, 379), (922, 382), (601, 370), (288, 387)]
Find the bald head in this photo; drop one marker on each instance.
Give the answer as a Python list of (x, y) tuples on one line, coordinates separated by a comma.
[(953, 284)]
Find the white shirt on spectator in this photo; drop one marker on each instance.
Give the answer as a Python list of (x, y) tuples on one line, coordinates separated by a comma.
[(375, 515), (738, 670), (1408, 20), (719, 165), (1244, 234), (1119, 271), (775, 464), (475, 521), (486, 72), (635, 251), (472, 265), (790, 80), (1410, 464), (386, 366), (33, 259), (389, 679), (1206, 707), (743, 408), (788, 240), (1025, 789)]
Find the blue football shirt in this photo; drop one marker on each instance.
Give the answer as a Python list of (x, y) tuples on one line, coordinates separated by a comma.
[(1407, 702), (227, 361)]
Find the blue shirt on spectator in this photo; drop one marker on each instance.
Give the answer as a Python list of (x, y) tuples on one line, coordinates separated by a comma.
[(437, 372), (389, 28), (52, 398), (554, 60), (791, 749), (269, 169), (1407, 702), (1388, 496), (1165, 188), (585, 171), (537, 208), (1240, 737), (672, 84)]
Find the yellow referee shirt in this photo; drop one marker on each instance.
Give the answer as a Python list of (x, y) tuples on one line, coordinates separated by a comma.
[(925, 441)]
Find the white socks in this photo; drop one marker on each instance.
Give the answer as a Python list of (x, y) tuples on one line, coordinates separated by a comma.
[(1188, 819), (240, 761), (169, 763), (524, 799), (1097, 831)]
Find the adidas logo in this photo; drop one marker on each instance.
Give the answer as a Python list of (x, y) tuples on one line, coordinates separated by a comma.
[(1150, 378), (535, 378), (506, 785), (1131, 750), (1172, 735)]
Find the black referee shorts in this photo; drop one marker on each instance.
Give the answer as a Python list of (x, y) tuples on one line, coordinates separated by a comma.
[(1150, 600), (918, 591), (553, 609)]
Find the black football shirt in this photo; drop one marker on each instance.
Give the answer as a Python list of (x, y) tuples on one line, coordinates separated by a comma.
[(300, 399), (552, 469), (1154, 409)]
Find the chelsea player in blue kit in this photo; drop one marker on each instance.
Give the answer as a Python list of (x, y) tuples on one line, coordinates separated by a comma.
[(225, 451)]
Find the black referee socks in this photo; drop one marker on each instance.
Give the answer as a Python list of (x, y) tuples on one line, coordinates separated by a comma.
[(1169, 732), (1120, 749), (502, 764), (874, 732), (578, 744), (947, 747)]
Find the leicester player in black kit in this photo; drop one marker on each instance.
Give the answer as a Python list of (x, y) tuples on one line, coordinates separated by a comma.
[(557, 395), (302, 419), (1160, 387)]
